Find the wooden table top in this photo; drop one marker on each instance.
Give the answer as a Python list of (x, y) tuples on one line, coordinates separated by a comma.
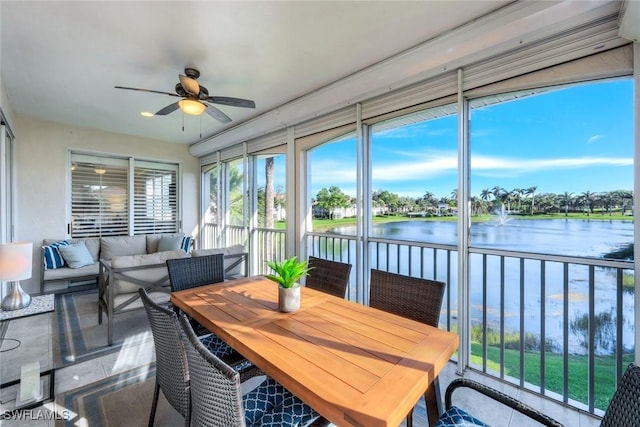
[(354, 364)]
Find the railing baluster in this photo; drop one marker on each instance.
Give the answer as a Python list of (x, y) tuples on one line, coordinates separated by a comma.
[(502, 317), (565, 334), (484, 313), (591, 346), (619, 322), (543, 332), (522, 334)]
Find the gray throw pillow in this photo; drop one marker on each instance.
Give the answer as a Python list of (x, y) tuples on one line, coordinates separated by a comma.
[(167, 243), (76, 255)]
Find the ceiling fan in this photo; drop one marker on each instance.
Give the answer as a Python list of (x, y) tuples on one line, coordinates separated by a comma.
[(195, 98)]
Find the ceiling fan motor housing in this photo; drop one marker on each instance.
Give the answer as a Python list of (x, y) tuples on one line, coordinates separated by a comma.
[(191, 73)]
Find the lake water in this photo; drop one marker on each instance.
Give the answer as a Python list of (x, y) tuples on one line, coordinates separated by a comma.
[(581, 238), (554, 236)]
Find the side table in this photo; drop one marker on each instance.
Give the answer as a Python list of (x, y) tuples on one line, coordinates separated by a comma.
[(26, 358)]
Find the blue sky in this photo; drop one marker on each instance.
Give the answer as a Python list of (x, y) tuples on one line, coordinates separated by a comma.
[(576, 139)]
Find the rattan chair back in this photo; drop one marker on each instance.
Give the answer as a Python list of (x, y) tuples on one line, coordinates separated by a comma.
[(215, 386), (187, 273), (624, 408), (411, 297), (172, 372), (328, 276)]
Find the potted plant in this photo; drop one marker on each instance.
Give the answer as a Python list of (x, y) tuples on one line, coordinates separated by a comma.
[(286, 275)]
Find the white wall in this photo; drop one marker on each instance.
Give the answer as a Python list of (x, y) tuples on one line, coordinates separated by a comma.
[(41, 176)]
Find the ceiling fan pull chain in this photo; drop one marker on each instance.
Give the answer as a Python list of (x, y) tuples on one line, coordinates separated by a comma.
[(183, 121)]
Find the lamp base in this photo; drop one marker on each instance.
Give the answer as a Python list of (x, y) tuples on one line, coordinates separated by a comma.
[(16, 299)]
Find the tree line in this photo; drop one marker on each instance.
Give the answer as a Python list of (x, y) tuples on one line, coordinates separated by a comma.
[(518, 200)]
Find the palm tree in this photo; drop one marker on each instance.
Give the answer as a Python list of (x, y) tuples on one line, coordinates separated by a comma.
[(566, 198), (499, 193), (518, 193), (587, 199), (268, 193), (485, 194), (532, 191)]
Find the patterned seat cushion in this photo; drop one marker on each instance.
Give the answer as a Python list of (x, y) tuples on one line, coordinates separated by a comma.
[(456, 417), (216, 345), (270, 404)]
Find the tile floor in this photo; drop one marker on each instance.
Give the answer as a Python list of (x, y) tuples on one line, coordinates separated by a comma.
[(129, 357)]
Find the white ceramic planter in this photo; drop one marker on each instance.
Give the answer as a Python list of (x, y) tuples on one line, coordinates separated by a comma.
[(289, 298)]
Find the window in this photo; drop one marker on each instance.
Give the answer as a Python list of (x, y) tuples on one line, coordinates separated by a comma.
[(155, 200), (551, 179), (107, 201)]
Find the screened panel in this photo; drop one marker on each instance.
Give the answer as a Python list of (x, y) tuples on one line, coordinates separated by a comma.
[(99, 199), (155, 201)]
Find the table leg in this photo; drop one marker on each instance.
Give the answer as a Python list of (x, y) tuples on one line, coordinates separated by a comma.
[(433, 402)]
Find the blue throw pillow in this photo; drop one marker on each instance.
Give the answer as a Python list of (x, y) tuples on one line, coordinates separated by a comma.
[(186, 243), (76, 255), (51, 255)]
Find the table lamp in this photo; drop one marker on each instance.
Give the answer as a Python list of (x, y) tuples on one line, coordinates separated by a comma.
[(15, 265)]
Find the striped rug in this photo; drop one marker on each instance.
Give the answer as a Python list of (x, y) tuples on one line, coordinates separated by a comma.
[(120, 400), (79, 337)]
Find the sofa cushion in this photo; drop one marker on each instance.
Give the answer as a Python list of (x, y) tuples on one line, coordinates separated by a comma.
[(151, 275), (67, 273), (122, 246), (76, 255), (236, 271), (52, 258)]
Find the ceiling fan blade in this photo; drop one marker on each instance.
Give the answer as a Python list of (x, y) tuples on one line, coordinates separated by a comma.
[(190, 85), (168, 109), (217, 114), (145, 90), (233, 102)]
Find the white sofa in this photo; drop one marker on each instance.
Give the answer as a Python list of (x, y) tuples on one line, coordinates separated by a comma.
[(128, 263)]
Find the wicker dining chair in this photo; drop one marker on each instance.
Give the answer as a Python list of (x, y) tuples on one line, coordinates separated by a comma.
[(216, 398), (188, 273), (623, 410), (414, 298), (172, 375), (328, 276)]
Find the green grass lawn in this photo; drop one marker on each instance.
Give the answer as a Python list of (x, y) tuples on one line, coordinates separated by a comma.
[(605, 371)]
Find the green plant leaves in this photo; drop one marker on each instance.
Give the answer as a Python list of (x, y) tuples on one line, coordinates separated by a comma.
[(287, 272)]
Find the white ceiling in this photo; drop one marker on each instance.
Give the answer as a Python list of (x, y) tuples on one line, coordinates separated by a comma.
[(60, 60)]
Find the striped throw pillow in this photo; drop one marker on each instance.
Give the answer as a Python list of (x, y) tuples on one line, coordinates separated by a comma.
[(52, 257), (186, 243)]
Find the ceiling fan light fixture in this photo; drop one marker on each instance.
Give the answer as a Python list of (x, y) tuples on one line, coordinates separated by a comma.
[(191, 106)]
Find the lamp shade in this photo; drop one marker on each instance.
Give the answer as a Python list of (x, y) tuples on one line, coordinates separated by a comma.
[(15, 261), (191, 106)]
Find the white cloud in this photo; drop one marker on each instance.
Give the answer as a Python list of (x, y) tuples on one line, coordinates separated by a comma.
[(594, 138)]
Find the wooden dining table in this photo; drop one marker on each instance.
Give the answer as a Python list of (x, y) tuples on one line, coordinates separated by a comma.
[(353, 364)]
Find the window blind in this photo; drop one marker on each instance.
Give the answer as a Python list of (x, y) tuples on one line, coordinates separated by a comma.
[(113, 196), (99, 199), (155, 201)]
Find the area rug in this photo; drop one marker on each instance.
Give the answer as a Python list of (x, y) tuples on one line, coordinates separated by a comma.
[(120, 400), (80, 338)]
